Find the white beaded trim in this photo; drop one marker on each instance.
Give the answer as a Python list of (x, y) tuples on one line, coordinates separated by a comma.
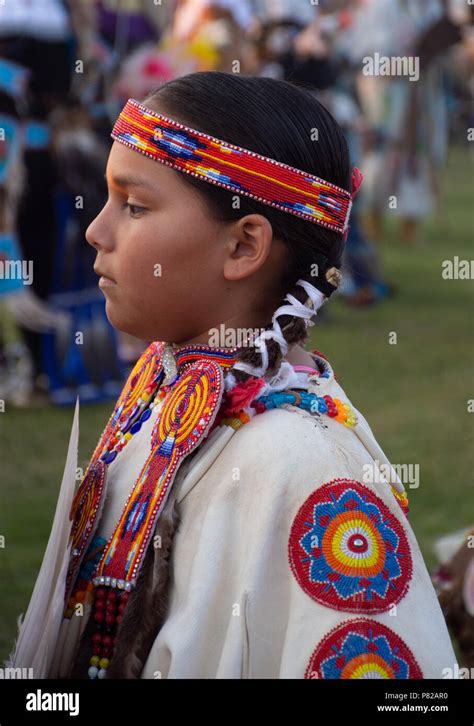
[(126, 585)]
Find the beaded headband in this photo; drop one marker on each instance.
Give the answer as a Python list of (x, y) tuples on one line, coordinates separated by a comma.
[(232, 167)]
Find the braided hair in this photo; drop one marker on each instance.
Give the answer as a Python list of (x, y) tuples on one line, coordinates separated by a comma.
[(286, 123)]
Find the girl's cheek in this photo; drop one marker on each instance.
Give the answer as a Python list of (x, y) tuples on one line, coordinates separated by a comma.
[(133, 253), (143, 270)]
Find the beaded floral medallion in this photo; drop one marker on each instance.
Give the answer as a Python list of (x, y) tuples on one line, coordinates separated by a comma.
[(347, 549), (362, 648)]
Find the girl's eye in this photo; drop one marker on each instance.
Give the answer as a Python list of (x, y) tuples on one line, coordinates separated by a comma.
[(135, 211)]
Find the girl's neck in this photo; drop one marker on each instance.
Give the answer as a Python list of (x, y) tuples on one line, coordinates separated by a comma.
[(297, 355)]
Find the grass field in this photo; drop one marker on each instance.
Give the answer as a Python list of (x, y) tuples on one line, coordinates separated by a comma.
[(414, 394)]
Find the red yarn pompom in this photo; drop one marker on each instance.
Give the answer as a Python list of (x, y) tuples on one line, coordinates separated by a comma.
[(242, 395)]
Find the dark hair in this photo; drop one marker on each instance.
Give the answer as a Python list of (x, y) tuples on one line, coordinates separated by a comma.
[(276, 119)]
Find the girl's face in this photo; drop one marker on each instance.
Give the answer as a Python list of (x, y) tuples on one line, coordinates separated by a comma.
[(169, 266)]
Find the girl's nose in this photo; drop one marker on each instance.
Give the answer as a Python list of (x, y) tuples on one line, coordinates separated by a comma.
[(98, 233), (90, 235)]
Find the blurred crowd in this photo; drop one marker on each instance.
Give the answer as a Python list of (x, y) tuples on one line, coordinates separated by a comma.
[(68, 66)]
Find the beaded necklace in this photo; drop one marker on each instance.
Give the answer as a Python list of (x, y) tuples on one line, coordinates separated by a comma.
[(332, 407)]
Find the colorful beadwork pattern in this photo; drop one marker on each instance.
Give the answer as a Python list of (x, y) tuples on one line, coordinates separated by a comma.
[(362, 648), (145, 378), (86, 508), (348, 551), (232, 167), (332, 407), (184, 420), (83, 591), (140, 384), (189, 404)]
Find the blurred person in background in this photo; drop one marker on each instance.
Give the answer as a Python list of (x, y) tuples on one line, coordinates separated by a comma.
[(34, 39), (408, 116), (51, 157), (220, 24)]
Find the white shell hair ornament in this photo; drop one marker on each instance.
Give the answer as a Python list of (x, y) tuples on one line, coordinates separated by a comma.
[(286, 373)]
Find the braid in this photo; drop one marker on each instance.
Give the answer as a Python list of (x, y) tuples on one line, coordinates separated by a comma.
[(293, 328)]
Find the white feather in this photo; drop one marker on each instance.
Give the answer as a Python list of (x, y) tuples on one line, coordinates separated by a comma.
[(38, 631)]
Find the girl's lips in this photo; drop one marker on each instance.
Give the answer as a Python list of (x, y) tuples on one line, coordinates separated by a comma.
[(106, 282)]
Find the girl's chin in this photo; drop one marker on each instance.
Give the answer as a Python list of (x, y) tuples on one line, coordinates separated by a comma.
[(126, 325), (116, 320)]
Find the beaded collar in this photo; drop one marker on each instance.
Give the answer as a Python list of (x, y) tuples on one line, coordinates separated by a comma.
[(186, 354), (167, 364)]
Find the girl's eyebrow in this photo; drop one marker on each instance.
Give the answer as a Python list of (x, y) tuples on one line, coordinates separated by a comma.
[(129, 181)]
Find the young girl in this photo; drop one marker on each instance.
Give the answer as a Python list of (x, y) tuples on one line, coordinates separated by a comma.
[(237, 518)]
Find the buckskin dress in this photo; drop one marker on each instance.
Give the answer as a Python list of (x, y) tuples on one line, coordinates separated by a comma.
[(275, 555)]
